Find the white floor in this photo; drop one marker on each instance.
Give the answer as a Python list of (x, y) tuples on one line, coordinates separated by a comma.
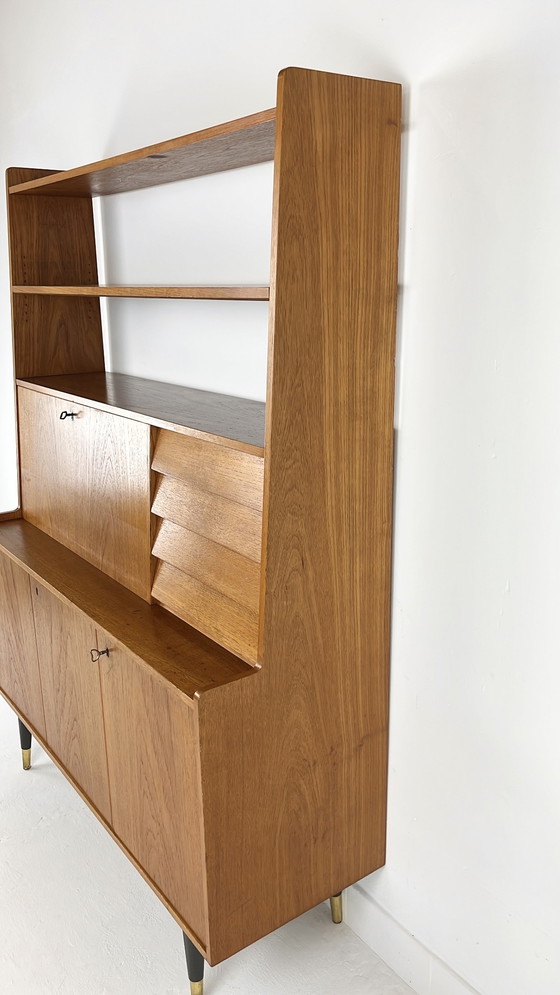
[(77, 919)]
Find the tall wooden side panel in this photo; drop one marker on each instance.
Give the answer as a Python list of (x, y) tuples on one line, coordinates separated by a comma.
[(52, 243), (294, 761)]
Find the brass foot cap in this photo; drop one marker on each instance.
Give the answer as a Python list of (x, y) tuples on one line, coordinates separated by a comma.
[(26, 758), (196, 987), (336, 908)]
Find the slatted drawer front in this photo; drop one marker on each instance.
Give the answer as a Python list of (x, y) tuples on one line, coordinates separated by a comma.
[(208, 544), (213, 468)]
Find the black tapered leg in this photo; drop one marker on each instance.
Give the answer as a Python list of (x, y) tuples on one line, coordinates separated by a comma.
[(25, 741), (195, 966), (336, 907)]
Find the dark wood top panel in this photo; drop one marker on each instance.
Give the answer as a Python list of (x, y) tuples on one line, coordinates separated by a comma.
[(178, 654), (239, 293), (230, 421), (243, 142)]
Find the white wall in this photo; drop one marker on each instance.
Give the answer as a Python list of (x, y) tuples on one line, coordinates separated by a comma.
[(472, 881)]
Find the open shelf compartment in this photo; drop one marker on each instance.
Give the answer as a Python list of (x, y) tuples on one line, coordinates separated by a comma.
[(243, 142), (236, 422)]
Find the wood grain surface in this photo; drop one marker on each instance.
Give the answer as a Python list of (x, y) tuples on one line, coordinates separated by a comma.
[(19, 670), (226, 522), (235, 422), (72, 694), (52, 242), (155, 781), (86, 482), (242, 142), (279, 782), (175, 653), (216, 469), (55, 335), (222, 569), (223, 619), (208, 542), (186, 293), (304, 795)]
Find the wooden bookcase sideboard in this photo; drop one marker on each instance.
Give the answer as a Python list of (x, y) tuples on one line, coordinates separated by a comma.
[(195, 590)]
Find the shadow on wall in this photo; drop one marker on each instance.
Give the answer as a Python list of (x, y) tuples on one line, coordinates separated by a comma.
[(472, 868)]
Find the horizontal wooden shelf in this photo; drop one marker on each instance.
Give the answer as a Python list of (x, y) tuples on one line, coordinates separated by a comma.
[(183, 293), (236, 422), (243, 142), (175, 652)]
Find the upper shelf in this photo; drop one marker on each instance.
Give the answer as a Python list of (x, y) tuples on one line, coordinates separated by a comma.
[(236, 422), (243, 142), (183, 293)]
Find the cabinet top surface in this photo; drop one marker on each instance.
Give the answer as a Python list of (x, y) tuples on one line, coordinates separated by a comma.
[(176, 653), (243, 142), (236, 422)]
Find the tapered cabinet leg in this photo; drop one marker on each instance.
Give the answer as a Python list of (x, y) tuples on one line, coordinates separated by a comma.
[(25, 741), (336, 907), (195, 966)]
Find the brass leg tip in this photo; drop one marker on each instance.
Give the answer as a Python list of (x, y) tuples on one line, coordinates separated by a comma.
[(336, 908), (196, 987), (26, 758)]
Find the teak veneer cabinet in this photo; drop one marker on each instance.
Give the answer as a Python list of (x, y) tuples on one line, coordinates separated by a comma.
[(195, 596)]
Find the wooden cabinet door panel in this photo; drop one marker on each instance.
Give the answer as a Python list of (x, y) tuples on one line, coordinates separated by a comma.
[(86, 482), (19, 671), (72, 694), (152, 752)]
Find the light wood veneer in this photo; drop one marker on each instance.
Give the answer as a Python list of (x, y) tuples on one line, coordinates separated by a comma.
[(19, 669), (155, 781), (235, 422), (52, 241), (253, 783), (237, 476), (176, 654), (72, 694), (187, 293), (85, 481), (243, 142)]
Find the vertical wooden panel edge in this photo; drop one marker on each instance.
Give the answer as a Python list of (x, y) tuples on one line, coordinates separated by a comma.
[(312, 740)]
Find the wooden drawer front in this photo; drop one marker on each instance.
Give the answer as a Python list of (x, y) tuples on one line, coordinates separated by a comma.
[(223, 619), (86, 482), (19, 671), (223, 570), (152, 750), (208, 545), (216, 469), (224, 522), (72, 694)]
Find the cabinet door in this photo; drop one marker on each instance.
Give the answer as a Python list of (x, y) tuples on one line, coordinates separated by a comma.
[(152, 752), (19, 672), (72, 694), (86, 482)]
